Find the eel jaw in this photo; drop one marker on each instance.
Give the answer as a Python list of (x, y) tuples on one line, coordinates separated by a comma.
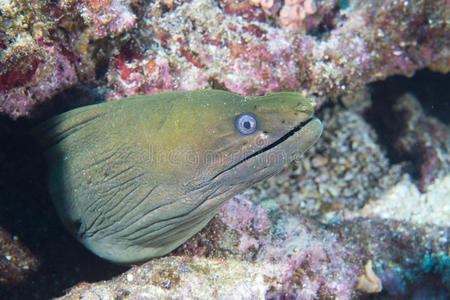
[(278, 141), (289, 147)]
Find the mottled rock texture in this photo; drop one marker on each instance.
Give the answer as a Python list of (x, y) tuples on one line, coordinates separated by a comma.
[(128, 47)]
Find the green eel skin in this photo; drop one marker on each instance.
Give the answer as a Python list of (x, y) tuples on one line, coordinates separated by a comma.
[(134, 178)]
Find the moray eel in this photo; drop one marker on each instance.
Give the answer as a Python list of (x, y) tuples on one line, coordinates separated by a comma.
[(134, 178)]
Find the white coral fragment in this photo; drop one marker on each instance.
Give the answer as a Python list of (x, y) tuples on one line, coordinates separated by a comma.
[(369, 282)]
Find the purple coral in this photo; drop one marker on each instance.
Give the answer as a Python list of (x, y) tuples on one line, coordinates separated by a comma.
[(37, 66), (45, 78), (106, 18), (307, 265)]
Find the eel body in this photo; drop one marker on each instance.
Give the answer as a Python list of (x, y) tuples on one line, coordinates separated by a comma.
[(134, 178)]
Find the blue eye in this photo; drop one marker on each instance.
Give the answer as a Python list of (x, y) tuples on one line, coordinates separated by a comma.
[(246, 124)]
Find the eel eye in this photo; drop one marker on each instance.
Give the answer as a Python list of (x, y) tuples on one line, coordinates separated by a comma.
[(246, 124)]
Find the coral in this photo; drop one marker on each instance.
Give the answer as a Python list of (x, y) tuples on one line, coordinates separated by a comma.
[(413, 136), (45, 48), (246, 55), (106, 18), (292, 13), (44, 78), (267, 4), (404, 202), (422, 137), (295, 11), (401, 255), (127, 47)]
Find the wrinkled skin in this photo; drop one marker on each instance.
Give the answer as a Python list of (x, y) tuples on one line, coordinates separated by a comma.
[(135, 178)]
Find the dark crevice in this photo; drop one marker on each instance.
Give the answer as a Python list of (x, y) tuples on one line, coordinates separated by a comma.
[(431, 89), (215, 84), (405, 113), (101, 55), (77, 96), (28, 214)]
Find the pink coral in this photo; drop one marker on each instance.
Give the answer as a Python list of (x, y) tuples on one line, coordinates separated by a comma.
[(106, 17), (54, 48), (44, 78), (267, 4), (295, 11), (304, 264)]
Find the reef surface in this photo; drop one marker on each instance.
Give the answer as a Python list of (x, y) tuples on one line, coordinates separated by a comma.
[(128, 47)]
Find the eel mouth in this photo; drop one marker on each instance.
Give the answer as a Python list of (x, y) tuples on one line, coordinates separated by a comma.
[(297, 130), (289, 134)]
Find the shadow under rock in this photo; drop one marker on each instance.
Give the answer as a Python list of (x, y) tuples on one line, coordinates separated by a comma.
[(27, 212), (430, 88), (77, 96)]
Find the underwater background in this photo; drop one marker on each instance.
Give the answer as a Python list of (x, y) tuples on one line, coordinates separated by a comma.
[(363, 215)]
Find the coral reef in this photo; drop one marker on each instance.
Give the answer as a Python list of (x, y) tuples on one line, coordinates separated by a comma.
[(375, 188), (126, 47), (106, 18), (413, 135), (49, 46)]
